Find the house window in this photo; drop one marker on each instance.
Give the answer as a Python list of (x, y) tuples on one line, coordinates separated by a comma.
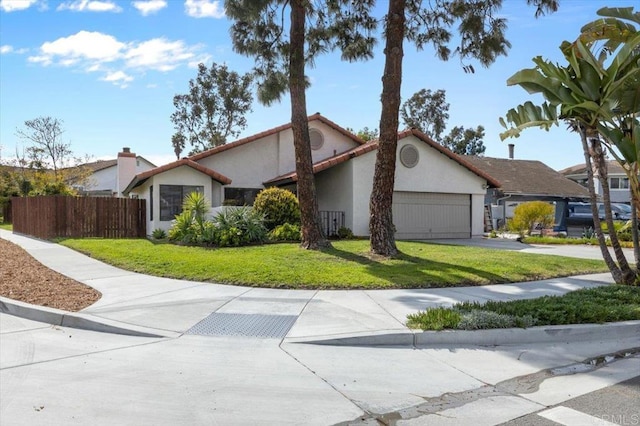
[(172, 197), (240, 196), (619, 183)]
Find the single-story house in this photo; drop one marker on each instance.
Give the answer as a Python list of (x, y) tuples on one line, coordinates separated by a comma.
[(438, 194), (526, 180), (618, 180), (111, 177)]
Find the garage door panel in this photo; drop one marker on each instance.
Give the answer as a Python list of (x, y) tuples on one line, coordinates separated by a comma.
[(419, 215)]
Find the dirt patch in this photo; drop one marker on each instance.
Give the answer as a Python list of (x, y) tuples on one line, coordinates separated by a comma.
[(25, 279)]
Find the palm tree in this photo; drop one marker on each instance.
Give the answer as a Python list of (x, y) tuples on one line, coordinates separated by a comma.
[(598, 98)]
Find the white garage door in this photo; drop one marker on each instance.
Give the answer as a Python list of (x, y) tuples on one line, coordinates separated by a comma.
[(426, 215)]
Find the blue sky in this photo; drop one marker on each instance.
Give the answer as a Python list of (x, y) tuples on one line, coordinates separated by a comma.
[(109, 69)]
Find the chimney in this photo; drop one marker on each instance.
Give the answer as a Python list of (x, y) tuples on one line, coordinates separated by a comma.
[(126, 169), (511, 147)]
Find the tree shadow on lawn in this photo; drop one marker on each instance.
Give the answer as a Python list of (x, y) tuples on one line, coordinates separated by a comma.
[(406, 271)]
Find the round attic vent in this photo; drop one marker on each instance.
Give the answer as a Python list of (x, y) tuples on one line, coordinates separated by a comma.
[(316, 138), (409, 156)]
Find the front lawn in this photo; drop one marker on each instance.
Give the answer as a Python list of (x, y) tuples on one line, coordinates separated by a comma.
[(586, 306), (6, 226), (347, 265)]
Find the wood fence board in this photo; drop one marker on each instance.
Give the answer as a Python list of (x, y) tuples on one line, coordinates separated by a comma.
[(57, 216)]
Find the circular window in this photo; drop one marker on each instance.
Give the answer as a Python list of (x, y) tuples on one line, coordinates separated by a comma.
[(409, 156), (316, 139)]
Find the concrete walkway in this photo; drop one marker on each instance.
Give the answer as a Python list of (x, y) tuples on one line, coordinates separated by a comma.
[(205, 354), (151, 306)]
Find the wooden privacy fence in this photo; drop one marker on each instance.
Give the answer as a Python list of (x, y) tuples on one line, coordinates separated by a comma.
[(56, 216)]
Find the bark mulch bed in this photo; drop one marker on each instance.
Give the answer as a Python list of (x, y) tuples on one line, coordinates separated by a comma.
[(25, 279)]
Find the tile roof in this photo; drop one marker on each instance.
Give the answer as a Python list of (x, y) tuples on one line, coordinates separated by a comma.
[(373, 145), (98, 165), (612, 167), (140, 178), (317, 116), (527, 177)]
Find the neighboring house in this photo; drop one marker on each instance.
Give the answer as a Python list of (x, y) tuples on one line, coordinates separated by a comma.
[(618, 181), (526, 180), (110, 177), (437, 194)]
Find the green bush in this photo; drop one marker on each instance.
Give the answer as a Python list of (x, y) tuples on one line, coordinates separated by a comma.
[(482, 320), (278, 206), (344, 233), (182, 228), (435, 319), (285, 232), (238, 226), (528, 215), (159, 234)]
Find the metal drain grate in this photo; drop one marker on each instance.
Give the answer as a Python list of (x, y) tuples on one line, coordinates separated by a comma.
[(249, 325)]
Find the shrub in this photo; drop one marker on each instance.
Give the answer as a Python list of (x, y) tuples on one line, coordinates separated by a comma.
[(344, 233), (482, 320), (182, 229), (278, 206), (159, 234), (434, 319), (528, 214), (285, 232), (239, 225)]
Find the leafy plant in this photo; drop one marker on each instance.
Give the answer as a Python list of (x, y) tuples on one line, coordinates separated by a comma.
[(182, 228), (528, 215), (434, 319), (344, 233), (285, 232), (239, 225), (279, 206), (159, 234)]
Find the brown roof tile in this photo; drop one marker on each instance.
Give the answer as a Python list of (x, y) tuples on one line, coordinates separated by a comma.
[(528, 177), (273, 131), (612, 167), (372, 146), (140, 178)]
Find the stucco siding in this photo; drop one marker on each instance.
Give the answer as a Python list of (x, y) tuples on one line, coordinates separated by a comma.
[(334, 143), (435, 172), (104, 179), (248, 165), (183, 175), (334, 191)]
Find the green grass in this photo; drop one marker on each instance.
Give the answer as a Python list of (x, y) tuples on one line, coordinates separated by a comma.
[(6, 226), (586, 306), (347, 265)]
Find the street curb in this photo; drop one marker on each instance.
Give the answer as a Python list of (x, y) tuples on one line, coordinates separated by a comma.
[(77, 320), (495, 337)]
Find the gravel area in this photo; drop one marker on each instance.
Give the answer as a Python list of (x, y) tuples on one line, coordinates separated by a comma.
[(25, 279)]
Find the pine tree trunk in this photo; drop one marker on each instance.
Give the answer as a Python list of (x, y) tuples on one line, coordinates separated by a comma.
[(312, 235), (381, 225), (615, 271)]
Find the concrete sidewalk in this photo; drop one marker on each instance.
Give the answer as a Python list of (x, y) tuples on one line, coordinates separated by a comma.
[(142, 305)]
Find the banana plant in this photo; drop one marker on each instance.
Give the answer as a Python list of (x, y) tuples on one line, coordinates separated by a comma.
[(598, 98)]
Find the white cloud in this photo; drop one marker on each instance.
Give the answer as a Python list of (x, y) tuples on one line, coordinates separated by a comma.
[(117, 61), (13, 5), (203, 9), (90, 6), (119, 78), (148, 7), (159, 54), (82, 46), (5, 48)]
